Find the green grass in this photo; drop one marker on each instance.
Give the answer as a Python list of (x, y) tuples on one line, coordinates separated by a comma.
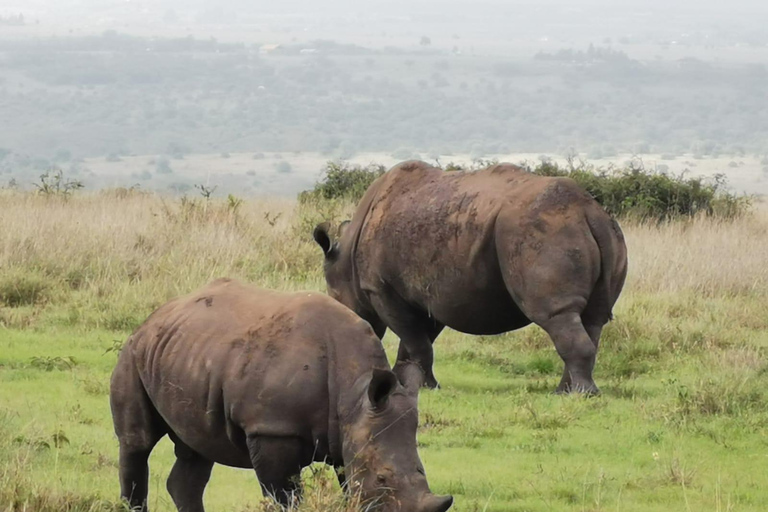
[(680, 425)]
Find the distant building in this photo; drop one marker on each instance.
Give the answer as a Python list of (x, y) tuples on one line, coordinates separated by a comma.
[(266, 49)]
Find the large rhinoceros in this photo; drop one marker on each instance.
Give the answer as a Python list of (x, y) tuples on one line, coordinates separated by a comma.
[(482, 252), (272, 381)]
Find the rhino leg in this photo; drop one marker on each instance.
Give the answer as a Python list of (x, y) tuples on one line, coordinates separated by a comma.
[(416, 346), (138, 427), (339, 470), (565, 383), (594, 328), (414, 328), (593, 331), (577, 350), (278, 462), (188, 478), (403, 355)]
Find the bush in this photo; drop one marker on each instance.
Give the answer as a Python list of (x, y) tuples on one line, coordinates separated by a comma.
[(343, 181), (639, 193), (163, 166), (629, 192), (283, 167), (53, 183)]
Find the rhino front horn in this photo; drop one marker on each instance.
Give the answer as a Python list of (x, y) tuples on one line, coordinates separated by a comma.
[(434, 503)]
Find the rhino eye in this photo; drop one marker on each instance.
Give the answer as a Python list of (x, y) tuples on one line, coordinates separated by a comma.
[(421, 471), (381, 479)]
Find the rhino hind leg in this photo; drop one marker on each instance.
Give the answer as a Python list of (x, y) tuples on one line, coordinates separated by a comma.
[(278, 462), (188, 478), (576, 348), (593, 331), (138, 427)]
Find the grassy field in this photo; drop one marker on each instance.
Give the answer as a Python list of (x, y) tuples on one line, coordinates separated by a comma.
[(681, 424)]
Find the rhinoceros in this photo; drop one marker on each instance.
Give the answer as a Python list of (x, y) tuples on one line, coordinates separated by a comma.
[(272, 381), (482, 252)]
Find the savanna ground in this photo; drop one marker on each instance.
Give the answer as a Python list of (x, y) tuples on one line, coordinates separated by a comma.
[(681, 425)]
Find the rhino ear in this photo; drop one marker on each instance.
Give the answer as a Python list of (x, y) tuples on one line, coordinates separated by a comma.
[(383, 383), (410, 375), (343, 227), (323, 239)]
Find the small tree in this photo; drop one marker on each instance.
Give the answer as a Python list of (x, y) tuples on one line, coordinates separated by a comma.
[(163, 166), (206, 191), (283, 167), (53, 183)]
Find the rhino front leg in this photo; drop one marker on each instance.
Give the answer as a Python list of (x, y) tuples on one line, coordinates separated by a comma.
[(278, 462), (565, 382), (415, 329), (403, 356), (415, 346), (339, 470), (188, 478)]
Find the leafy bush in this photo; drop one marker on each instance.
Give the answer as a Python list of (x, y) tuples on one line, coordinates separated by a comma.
[(636, 192), (628, 192), (343, 181)]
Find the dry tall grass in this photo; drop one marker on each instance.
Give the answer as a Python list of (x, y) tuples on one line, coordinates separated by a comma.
[(705, 256), (128, 252), (113, 256)]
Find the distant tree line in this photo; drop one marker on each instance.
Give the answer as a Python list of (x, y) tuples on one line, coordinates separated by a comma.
[(202, 96)]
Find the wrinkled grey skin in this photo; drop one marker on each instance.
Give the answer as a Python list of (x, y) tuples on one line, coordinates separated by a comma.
[(272, 381), (481, 252)]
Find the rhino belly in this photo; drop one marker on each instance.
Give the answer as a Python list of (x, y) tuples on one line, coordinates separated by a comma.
[(476, 311), (203, 427)]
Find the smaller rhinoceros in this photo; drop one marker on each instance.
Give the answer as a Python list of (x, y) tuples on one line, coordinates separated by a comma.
[(272, 381)]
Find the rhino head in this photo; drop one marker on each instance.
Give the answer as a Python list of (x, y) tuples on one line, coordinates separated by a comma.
[(379, 444)]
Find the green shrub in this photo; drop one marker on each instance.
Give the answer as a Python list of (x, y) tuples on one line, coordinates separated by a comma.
[(341, 180), (627, 192), (53, 183), (636, 192)]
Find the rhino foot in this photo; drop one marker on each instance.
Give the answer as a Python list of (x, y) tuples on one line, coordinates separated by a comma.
[(586, 389)]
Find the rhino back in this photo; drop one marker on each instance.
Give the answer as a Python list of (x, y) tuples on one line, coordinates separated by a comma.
[(230, 359), (428, 226)]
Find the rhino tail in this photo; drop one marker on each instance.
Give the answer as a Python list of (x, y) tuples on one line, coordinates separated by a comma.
[(604, 230)]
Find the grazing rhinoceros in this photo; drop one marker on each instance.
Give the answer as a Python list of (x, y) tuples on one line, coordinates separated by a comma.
[(272, 381), (482, 252)]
